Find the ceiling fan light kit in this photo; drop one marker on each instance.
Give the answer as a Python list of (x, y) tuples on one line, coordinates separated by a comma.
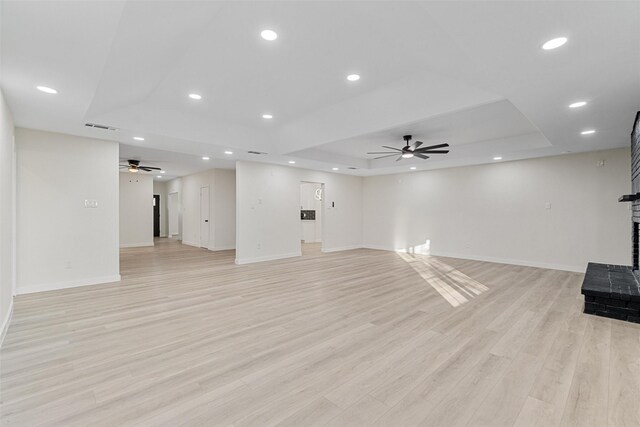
[(411, 150), (134, 166)]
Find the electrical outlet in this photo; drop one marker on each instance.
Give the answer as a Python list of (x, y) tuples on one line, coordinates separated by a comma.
[(600, 163), (547, 205), (258, 247), (90, 203)]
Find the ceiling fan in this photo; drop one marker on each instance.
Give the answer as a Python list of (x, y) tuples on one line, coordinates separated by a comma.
[(412, 150), (134, 166)]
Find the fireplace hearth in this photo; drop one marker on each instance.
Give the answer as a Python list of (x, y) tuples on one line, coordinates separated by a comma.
[(612, 291)]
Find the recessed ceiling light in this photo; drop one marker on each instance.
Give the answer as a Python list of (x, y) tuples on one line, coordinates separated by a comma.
[(407, 155), (335, 169), (267, 116), (46, 89), (138, 138), (587, 132), (554, 43), (195, 96), (159, 176), (353, 77), (162, 172), (205, 158), (292, 162), (497, 158), (412, 168), (228, 152), (578, 104), (269, 35)]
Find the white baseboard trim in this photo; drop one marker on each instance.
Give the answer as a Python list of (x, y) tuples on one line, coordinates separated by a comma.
[(68, 284), (341, 248), (536, 264), (5, 322), (136, 245), (378, 248), (222, 248), (268, 258)]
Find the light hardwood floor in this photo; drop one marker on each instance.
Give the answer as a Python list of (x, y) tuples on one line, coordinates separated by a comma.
[(360, 337)]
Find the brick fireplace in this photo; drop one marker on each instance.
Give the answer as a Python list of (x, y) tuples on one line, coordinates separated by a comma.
[(614, 290)]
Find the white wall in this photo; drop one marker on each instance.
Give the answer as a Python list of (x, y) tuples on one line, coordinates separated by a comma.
[(222, 207), (60, 243), (497, 212), (136, 210), (268, 211), (7, 216), (160, 188), (224, 213), (311, 229), (174, 187)]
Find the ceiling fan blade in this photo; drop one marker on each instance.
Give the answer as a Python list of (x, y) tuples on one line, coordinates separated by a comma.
[(399, 158), (433, 151), (435, 146), (417, 144), (391, 148), (421, 156), (381, 152), (144, 169), (151, 168), (388, 155)]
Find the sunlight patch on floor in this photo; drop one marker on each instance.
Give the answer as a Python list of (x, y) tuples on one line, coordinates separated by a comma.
[(453, 285)]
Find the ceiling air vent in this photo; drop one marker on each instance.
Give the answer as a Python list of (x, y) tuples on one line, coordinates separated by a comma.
[(97, 126), (352, 168), (255, 152)]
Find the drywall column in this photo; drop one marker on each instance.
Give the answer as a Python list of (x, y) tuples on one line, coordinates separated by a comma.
[(268, 211), (7, 216), (67, 211), (174, 208)]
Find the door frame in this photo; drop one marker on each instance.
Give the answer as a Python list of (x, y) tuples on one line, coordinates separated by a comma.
[(157, 216)]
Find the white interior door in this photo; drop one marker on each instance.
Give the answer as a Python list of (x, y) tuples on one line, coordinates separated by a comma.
[(204, 217), (173, 214)]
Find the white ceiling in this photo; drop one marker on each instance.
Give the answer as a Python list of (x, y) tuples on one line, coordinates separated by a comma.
[(469, 73)]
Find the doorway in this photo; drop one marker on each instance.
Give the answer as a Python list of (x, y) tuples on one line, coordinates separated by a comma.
[(204, 217), (156, 215), (311, 217)]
